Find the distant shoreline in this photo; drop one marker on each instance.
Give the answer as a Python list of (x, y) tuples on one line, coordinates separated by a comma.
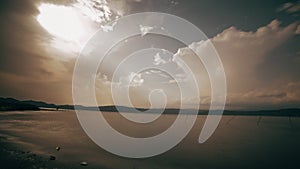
[(10, 104)]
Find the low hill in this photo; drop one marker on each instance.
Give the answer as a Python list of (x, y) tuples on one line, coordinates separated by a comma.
[(10, 104)]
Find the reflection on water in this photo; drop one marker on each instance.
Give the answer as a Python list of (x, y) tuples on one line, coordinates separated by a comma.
[(239, 141)]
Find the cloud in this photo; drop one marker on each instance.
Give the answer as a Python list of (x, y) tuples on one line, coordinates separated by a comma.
[(242, 54), (285, 6), (276, 96), (122, 7), (133, 79), (108, 27), (290, 7), (158, 60), (145, 29), (247, 57), (96, 10)]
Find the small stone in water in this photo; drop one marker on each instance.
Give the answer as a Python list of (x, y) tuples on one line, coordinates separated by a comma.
[(84, 163), (57, 148), (52, 158)]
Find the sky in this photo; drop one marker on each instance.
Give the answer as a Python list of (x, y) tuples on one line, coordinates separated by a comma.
[(257, 41)]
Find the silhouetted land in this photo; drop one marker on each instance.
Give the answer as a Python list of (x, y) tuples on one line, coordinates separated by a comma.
[(10, 104)]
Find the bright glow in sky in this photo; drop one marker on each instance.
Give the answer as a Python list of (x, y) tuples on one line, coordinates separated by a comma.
[(61, 21), (71, 26)]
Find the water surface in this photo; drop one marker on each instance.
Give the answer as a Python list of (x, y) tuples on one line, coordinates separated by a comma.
[(238, 142)]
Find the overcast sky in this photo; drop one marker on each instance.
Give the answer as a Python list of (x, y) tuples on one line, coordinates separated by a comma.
[(257, 41)]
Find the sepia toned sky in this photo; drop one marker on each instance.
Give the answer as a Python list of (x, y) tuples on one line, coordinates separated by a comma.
[(257, 41)]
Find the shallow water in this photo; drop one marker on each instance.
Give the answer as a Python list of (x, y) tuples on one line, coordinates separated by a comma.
[(238, 142)]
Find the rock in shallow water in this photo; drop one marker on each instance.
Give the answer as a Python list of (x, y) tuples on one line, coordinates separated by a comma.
[(57, 148), (84, 163), (52, 157)]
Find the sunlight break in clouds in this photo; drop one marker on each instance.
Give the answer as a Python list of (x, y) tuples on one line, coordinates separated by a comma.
[(61, 21), (71, 26), (66, 25)]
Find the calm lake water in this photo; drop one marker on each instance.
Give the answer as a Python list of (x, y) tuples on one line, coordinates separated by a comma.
[(238, 142)]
